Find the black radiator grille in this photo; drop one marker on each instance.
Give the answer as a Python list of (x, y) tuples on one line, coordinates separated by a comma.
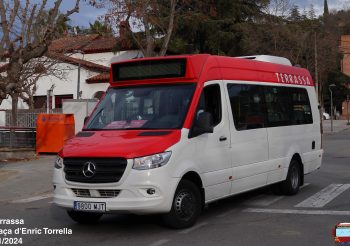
[(105, 170)]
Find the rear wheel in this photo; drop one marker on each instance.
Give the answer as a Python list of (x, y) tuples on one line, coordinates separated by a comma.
[(291, 185), (186, 207), (84, 217)]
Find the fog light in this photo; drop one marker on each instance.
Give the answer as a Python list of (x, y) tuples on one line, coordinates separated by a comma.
[(151, 191)]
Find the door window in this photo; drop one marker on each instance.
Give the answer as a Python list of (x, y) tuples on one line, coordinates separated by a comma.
[(210, 101)]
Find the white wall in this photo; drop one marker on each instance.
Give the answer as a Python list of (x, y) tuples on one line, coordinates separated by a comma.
[(2, 118), (80, 108), (63, 86)]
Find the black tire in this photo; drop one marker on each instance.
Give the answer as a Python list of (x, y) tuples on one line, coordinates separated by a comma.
[(84, 217), (186, 207), (292, 184)]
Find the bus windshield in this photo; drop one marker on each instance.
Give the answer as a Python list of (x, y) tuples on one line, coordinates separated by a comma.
[(142, 107)]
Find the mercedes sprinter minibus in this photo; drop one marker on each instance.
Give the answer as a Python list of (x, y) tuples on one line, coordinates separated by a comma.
[(172, 134)]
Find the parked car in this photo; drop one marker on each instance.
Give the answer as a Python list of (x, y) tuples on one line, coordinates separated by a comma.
[(326, 116)]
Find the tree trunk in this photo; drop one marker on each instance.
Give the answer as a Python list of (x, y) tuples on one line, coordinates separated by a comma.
[(14, 109), (31, 102), (149, 39), (170, 29)]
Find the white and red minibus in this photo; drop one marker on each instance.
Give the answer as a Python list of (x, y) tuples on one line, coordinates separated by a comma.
[(174, 133)]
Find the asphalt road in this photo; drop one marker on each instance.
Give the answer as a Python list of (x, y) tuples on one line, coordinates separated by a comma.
[(254, 218)]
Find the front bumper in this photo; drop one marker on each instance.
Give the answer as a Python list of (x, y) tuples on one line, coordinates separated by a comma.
[(132, 197)]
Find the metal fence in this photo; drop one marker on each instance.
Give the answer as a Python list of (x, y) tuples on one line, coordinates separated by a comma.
[(15, 137), (22, 134), (27, 118)]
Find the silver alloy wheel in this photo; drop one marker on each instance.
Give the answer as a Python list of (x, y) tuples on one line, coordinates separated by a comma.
[(294, 177)]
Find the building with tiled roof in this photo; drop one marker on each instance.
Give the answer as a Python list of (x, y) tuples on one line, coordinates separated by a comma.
[(91, 54)]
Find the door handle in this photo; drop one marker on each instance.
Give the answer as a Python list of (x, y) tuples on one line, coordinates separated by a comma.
[(222, 138)]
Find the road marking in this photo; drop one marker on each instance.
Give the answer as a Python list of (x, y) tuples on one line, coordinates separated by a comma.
[(295, 211), (193, 228), (159, 242), (324, 196), (33, 199)]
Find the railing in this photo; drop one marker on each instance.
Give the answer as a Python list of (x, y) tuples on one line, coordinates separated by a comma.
[(26, 118), (17, 137)]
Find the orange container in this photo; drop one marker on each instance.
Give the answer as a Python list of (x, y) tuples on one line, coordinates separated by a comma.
[(52, 131)]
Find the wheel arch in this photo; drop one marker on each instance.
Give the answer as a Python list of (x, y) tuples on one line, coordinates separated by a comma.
[(197, 180)]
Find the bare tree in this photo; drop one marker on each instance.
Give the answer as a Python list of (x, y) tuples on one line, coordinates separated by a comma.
[(278, 8), (38, 68), (148, 21), (26, 32)]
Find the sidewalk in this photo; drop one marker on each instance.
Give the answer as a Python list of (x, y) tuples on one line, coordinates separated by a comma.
[(338, 126), (23, 179)]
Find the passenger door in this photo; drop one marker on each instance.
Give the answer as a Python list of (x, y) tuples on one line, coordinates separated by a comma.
[(213, 149), (249, 143)]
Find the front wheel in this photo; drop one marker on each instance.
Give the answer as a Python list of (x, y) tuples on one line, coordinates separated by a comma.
[(186, 207), (84, 217)]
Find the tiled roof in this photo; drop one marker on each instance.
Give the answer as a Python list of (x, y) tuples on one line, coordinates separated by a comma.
[(4, 54), (92, 43), (71, 43), (100, 78), (3, 67), (75, 61), (101, 44), (88, 44)]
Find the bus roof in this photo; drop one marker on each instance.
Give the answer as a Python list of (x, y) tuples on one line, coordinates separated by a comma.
[(203, 67)]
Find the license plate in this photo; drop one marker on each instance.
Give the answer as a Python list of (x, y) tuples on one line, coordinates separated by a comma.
[(90, 206)]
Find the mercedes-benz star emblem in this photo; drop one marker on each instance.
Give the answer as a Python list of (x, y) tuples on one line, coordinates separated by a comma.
[(89, 169)]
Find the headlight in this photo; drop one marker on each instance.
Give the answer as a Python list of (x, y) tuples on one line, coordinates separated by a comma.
[(59, 162), (152, 161)]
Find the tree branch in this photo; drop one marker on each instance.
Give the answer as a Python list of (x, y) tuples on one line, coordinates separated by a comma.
[(133, 34), (30, 23), (74, 10), (13, 13), (4, 25)]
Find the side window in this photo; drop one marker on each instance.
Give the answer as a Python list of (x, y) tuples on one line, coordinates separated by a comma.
[(278, 106), (301, 107), (210, 101), (247, 106)]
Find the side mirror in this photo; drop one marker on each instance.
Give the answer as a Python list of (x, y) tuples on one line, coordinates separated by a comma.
[(203, 124), (86, 119)]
